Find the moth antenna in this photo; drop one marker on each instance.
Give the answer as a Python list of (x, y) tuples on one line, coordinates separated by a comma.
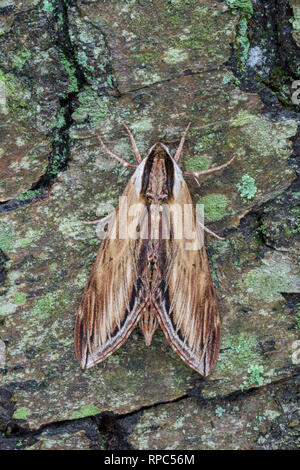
[(210, 170), (121, 160), (179, 150), (210, 231), (133, 143)]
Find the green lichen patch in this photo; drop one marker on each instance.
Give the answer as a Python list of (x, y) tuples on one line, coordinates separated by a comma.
[(242, 118), (174, 56), (245, 9), (206, 146), (256, 377), (243, 43), (91, 107), (208, 141), (20, 58), (6, 237), (298, 319), (71, 70), (10, 242), (27, 195), (197, 163), (87, 410), (48, 6), (20, 298), (247, 187), (17, 96), (215, 206), (220, 411), (244, 6), (295, 20), (21, 413), (296, 23), (240, 351), (51, 304)]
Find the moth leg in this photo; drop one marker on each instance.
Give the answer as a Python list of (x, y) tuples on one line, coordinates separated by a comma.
[(210, 170), (133, 143), (121, 160), (179, 150), (106, 218), (197, 181), (210, 231)]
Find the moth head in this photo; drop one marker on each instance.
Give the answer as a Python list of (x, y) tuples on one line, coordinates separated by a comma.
[(159, 150), (158, 174)]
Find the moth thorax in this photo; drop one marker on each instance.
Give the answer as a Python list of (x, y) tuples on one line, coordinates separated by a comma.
[(157, 190)]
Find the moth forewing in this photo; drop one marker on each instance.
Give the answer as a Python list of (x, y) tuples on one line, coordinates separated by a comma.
[(115, 294), (185, 298)]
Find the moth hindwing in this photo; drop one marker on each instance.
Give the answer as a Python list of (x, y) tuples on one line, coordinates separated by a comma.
[(152, 270)]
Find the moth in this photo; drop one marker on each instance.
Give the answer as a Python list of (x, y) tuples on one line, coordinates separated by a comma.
[(151, 278)]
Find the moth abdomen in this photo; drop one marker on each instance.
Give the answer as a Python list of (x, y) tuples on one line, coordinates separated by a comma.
[(148, 323)]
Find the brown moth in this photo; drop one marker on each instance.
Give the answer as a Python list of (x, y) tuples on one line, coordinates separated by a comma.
[(151, 278)]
